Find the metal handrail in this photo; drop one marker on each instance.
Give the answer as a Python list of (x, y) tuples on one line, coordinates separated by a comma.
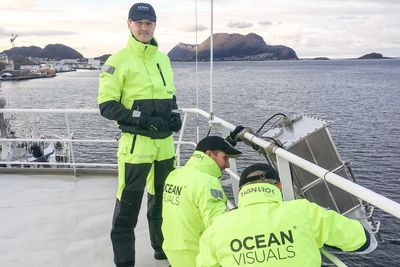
[(284, 158), (359, 191)]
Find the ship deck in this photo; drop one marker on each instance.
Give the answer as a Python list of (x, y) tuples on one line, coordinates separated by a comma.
[(57, 219)]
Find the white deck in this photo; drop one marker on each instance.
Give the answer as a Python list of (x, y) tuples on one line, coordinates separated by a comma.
[(61, 220)]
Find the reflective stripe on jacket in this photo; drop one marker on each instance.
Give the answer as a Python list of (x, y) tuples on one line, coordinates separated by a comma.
[(140, 78), (192, 198), (264, 231)]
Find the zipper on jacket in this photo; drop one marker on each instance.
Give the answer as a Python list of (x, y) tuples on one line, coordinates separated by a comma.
[(161, 74), (133, 143)]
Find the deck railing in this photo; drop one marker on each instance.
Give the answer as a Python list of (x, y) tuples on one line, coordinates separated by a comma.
[(283, 159)]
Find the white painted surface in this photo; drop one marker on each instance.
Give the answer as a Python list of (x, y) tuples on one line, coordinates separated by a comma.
[(61, 220)]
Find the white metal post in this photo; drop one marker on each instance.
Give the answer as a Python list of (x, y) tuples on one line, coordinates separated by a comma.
[(211, 60), (178, 146), (286, 178), (70, 143)]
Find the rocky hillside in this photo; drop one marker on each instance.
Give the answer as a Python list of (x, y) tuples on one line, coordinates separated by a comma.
[(51, 51), (373, 56), (60, 51), (235, 46), (103, 58)]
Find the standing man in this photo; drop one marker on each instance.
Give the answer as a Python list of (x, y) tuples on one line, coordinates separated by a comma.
[(264, 231), (193, 197), (136, 89)]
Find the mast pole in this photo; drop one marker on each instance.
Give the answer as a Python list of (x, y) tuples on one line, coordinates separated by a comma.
[(211, 60), (196, 77)]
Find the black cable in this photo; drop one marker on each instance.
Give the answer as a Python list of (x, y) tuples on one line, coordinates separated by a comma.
[(274, 125), (273, 140), (269, 119), (209, 131)]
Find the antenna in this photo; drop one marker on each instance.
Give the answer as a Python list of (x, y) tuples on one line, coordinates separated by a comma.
[(12, 39)]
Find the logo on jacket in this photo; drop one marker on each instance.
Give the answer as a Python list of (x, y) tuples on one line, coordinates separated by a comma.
[(172, 193), (215, 193), (107, 68), (198, 155), (257, 189), (263, 248)]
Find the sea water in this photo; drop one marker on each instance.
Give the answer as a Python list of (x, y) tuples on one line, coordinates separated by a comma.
[(361, 97)]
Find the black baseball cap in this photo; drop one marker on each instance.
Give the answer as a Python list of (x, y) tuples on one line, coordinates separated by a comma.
[(267, 172), (217, 143), (141, 11)]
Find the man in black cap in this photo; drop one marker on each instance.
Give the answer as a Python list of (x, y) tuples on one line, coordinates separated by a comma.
[(136, 89), (264, 231), (192, 198)]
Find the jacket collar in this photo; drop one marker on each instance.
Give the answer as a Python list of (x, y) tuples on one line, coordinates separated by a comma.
[(142, 49), (206, 164), (259, 193)]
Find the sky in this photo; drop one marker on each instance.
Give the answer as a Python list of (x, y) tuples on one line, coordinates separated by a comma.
[(313, 28)]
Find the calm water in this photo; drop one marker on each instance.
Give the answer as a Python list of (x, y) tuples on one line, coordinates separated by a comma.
[(361, 97)]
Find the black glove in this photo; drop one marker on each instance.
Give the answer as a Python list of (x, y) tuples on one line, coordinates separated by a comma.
[(175, 123), (126, 127), (155, 124), (235, 133), (233, 137)]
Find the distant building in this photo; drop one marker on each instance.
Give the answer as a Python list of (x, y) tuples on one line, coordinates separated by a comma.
[(63, 65), (30, 67), (35, 60), (90, 64), (4, 58), (9, 63), (95, 63)]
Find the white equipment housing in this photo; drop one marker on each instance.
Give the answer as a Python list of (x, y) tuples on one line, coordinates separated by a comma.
[(309, 138)]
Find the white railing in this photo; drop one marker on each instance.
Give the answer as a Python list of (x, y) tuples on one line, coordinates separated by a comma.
[(284, 158)]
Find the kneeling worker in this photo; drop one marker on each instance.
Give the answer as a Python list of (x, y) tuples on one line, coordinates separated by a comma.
[(264, 231), (192, 197)]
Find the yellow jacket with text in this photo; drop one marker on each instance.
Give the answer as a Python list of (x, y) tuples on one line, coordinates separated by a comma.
[(192, 198), (264, 231)]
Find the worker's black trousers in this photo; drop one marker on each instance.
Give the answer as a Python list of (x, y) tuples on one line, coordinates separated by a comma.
[(127, 209)]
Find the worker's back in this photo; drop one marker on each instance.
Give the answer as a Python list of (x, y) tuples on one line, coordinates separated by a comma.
[(266, 231)]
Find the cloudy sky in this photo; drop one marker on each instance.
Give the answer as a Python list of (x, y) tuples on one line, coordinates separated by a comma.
[(332, 28)]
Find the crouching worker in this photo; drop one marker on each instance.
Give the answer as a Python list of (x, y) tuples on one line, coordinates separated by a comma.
[(264, 231), (192, 197)]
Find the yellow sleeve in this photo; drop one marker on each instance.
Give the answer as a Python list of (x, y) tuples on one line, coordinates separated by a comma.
[(207, 255), (336, 230), (211, 202), (110, 81)]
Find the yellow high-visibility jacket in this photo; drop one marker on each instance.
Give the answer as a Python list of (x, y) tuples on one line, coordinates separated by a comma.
[(137, 79), (192, 197), (264, 231)]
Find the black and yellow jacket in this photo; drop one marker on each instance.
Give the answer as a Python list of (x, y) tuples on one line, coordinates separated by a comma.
[(138, 79)]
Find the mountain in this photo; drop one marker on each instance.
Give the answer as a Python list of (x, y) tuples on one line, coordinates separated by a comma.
[(103, 58), (234, 46), (60, 51), (31, 51), (51, 51), (373, 56)]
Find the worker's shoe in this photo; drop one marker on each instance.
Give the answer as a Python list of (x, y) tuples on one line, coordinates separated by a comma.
[(159, 255)]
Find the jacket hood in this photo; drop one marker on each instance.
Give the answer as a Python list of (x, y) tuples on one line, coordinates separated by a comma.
[(259, 193), (142, 49), (206, 164)]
